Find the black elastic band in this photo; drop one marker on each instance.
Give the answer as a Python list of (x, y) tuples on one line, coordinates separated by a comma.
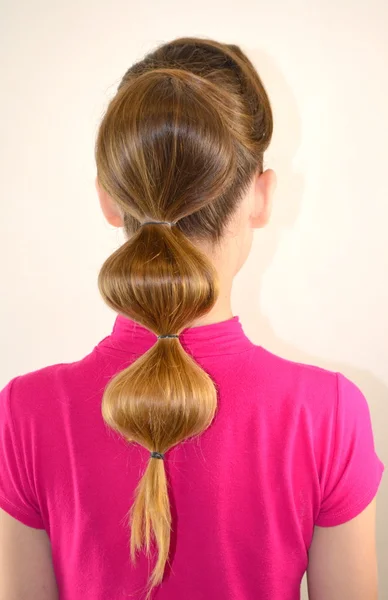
[(157, 455), (169, 335)]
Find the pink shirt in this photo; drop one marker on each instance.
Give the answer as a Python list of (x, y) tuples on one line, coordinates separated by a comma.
[(291, 447)]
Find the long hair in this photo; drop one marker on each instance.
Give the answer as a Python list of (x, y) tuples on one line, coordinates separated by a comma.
[(179, 142)]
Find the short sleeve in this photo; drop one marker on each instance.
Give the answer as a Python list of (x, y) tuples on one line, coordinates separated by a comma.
[(16, 497), (355, 470)]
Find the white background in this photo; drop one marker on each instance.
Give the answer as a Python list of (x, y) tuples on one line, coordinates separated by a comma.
[(315, 286)]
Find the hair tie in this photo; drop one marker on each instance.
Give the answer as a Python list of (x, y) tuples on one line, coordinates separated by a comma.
[(169, 335), (158, 223), (157, 455)]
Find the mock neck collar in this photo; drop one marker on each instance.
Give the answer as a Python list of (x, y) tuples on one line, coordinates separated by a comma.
[(224, 337)]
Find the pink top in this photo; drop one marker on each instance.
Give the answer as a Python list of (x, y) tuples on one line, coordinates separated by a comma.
[(291, 447)]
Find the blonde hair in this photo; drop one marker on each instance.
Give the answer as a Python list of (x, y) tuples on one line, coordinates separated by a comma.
[(179, 142)]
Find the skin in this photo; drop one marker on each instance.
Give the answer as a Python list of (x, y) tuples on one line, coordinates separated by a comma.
[(253, 213), (342, 559)]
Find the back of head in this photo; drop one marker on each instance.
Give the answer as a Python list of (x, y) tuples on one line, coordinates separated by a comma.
[(179, 142)]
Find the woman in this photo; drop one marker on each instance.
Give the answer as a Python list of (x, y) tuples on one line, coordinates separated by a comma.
[(178, 459)]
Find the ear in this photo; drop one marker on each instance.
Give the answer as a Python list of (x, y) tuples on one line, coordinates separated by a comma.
[(264, 190), (109, 207)]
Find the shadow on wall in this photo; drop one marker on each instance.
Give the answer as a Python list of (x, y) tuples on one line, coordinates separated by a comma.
[(287, 207)]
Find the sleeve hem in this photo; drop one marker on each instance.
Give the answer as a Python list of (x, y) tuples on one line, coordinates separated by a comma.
[(19, 515), (331, 520)]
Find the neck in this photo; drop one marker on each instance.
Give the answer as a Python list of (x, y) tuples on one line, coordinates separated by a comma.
[(223, 258), (222, 309)]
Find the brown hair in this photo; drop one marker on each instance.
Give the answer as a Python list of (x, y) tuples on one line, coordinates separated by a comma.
[(180, 141)]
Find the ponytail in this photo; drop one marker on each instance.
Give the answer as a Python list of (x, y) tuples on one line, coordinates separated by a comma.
[(179, 143), (160, 279)]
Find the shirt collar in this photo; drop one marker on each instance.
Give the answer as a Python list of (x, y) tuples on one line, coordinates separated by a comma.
[(224, 337)]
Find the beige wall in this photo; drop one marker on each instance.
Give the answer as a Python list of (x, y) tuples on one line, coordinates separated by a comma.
[(315, 287)]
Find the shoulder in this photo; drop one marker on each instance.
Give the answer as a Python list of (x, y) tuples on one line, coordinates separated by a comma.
[(40, 390), (306, 383), (319, 392), (327, 411)]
